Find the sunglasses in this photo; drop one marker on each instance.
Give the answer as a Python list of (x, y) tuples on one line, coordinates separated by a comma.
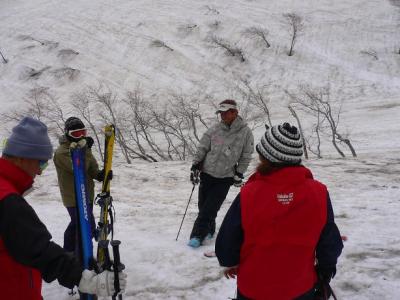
[(43, 164), (77, 133)]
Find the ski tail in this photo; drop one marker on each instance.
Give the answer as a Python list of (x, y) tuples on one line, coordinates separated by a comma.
[(78, 152)]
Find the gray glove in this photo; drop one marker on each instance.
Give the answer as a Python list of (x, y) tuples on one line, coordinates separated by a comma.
[(100, 284)]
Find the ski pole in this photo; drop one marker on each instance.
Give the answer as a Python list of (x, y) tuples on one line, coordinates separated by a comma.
[(194, 185), (117, 266), (103, 244)]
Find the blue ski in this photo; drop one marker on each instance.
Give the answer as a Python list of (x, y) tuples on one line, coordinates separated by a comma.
[(78, 151)]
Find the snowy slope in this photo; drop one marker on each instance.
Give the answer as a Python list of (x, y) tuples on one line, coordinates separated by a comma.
[(351, 45)]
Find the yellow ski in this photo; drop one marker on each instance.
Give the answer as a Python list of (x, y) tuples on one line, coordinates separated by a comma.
[(104, 199)]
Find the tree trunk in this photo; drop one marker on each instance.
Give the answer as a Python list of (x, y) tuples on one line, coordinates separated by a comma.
[(301, 131)]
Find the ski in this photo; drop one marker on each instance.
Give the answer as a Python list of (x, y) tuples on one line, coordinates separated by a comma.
[(107, 215), (78, 153), (104, 199)]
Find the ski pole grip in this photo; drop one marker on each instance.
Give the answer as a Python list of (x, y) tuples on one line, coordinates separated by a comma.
[(117, 265), (103, 244)]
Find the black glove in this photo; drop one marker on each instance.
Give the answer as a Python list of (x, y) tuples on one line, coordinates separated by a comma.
[(238, 179), (195, 173), (322, 288), (100, 175), (89, 142)]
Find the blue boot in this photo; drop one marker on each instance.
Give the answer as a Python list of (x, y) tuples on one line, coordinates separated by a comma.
[(194, 242), (209, 236)]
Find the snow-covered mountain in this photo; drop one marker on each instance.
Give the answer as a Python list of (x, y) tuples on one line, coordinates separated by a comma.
[(170, 47)]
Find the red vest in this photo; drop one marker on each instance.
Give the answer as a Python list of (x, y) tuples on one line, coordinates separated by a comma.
[(17, 282), (283, 214)]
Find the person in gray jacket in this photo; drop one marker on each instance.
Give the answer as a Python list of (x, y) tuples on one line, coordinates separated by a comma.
[(222, 157)]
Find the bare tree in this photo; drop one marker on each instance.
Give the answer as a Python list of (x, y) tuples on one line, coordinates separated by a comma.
[(140, 121), (83, 103), (317, 129), (231, 50), (260, 33), (258, 97), (294, 114), (371, 53), (42, 105), (4, 60), (319, 104), (108, 100), (296, 24), (161, 44)]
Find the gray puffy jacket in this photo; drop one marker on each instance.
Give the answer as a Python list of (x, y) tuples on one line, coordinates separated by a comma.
[(222, 148)]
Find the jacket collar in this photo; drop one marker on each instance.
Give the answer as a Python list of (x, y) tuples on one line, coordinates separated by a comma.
[(236, 125), (289, 174), (17, 177)]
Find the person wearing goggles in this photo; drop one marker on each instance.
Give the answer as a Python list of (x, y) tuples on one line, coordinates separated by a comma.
[(28, 257), (74, 131)]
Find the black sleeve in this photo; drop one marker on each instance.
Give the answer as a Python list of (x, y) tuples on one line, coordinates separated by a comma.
[(28, 241), (330, 243), (230, 236)]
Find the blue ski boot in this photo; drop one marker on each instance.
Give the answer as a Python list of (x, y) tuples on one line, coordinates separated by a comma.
[(194, 242)]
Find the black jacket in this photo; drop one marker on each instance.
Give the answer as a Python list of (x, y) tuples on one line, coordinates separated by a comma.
[(28, 241)]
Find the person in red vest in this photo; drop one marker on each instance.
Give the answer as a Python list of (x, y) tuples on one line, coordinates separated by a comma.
[(27, 254), (279, 236)]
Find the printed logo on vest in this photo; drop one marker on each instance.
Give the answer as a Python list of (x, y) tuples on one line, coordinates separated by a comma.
[(284, 198)]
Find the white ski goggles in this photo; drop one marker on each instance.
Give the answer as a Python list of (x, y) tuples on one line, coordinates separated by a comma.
[(225, 107), (77, 133)]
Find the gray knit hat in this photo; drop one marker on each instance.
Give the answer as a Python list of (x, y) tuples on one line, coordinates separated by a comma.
[(281, 144), (29, 139)]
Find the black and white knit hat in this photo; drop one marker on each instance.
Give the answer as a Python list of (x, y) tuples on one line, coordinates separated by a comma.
[(281, 144)]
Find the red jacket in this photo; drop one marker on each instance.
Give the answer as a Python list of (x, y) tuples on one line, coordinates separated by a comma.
[(283, 214), (17, 282)]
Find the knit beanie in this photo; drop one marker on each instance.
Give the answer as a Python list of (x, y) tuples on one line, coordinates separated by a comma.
[(29, 139), (281, 144), (73, 123)]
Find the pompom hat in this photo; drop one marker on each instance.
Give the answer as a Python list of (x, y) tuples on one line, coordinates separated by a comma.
[(281, 144)]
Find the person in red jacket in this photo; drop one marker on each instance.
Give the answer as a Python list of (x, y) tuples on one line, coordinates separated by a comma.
[(27, 254), (279, 236)]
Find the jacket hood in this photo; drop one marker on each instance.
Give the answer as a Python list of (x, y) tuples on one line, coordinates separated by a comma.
[(63, 140)]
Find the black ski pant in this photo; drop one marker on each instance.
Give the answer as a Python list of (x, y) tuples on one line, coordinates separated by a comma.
[(71, 233), (212, 193)]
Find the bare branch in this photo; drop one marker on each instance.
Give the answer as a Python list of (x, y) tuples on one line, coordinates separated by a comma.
[(296, 24), (260, 33), (231, 50)]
